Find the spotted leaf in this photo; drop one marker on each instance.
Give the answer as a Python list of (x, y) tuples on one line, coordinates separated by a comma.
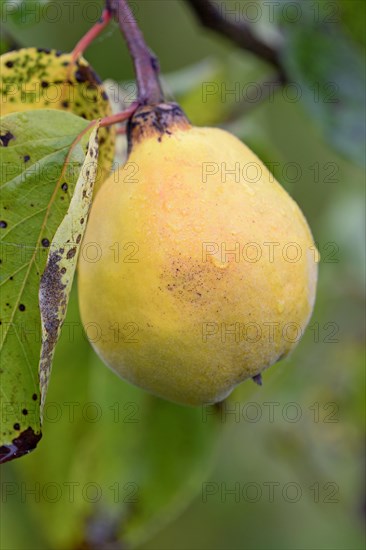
[(58, 275), (42, 78)]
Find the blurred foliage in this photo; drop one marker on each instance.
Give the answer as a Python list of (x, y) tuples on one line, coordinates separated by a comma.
[(352, 16), (168, 453), (330, 76), (134, 459)]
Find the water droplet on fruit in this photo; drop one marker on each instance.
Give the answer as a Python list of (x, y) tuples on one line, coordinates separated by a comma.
[(218, 262), (249, 190), (174, 227)]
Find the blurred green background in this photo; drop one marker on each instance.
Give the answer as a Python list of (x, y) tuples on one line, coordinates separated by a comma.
[(117, 468)]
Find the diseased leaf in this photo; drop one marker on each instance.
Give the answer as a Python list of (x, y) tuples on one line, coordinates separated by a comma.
[(38, 174), (42, 78), (58, 275)]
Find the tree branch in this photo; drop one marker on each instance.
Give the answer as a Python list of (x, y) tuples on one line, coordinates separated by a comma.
[(240, 33), (145, 63)]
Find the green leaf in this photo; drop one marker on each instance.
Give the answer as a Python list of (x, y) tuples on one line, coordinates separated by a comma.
[(329, 70), (40, 165)]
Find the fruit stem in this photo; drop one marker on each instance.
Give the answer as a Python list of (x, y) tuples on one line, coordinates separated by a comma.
[(91, 35), (119, 117), (145, 63)]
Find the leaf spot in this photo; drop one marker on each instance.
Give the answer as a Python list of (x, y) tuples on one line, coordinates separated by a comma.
[(6, 138), (71, 253)]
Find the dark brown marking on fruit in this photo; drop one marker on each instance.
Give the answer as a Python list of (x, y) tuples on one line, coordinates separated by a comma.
[(156, 120), (187, 279)]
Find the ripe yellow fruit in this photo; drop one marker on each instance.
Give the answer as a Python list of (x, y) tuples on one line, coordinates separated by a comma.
[(197, 270), (38, 78)]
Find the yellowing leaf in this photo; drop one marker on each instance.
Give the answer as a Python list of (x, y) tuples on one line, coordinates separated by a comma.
[(58, 275)]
